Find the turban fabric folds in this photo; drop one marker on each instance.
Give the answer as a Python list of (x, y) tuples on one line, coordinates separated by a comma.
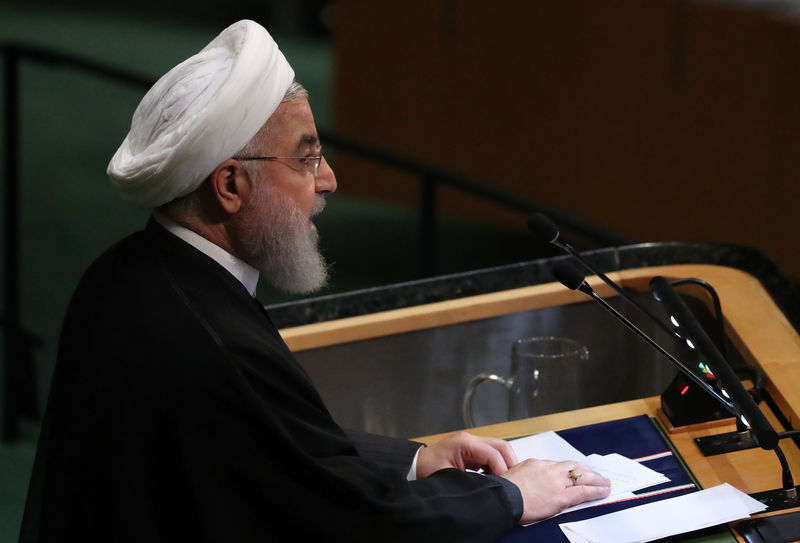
[(199, 114)]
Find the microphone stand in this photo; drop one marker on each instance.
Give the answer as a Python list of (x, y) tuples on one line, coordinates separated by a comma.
[(733, 396), (546, 231), (574, 280), (740, 439), (761, 430), (786, 525)]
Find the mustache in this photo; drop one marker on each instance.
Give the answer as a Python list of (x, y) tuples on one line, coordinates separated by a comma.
[(319, 205)]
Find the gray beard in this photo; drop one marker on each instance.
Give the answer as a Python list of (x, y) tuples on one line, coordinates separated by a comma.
[(283, 246)]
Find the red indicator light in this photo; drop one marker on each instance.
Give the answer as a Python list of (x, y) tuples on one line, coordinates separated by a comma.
[(685, 390)]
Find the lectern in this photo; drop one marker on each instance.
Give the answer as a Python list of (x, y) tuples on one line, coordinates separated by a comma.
[(395, 360)]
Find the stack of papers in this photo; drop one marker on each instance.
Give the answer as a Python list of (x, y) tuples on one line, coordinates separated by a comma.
[(626, 475), (716, 505), (648, 522)]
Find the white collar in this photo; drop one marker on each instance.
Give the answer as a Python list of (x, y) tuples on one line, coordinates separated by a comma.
[(246, 274)]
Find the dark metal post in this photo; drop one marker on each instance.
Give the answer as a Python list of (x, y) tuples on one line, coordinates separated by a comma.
[(427, 226), (11, 226)]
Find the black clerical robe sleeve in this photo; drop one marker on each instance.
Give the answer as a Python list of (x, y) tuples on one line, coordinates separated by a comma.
[(399, 453), (392, 452)]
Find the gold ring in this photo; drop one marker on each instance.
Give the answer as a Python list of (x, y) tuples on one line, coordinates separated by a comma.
[(574, 475)]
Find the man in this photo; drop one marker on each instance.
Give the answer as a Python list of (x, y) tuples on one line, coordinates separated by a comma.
[(177, 412)]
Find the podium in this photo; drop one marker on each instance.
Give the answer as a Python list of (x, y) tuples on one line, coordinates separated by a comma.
[(756, 301)]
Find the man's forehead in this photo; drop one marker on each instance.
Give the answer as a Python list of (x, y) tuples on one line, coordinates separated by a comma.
[(293, 111), (292, 124)]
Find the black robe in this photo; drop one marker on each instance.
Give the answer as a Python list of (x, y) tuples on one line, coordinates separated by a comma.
[(178, 413)]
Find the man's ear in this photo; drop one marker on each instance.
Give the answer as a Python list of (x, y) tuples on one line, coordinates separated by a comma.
[(230, 185)]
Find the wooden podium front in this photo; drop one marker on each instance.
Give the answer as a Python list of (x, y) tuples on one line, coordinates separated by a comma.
[(754, 323)]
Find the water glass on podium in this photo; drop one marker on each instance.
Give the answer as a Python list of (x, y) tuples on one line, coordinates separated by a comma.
[(545, 377)]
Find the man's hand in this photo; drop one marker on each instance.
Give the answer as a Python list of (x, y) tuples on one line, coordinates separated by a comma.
[(547, 488), (464, 450)]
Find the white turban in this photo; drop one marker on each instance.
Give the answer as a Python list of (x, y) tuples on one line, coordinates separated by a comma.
[(199, 114)]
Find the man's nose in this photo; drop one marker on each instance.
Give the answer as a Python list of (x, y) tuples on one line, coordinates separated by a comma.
[(325, 179)]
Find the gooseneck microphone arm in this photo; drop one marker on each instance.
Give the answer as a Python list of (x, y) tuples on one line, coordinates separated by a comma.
[(720, 331), (742, 405), (571, 278), (546, 231)]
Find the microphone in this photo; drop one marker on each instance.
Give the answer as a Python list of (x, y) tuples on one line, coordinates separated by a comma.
[(546, 231), (680, 407), (569, 276)]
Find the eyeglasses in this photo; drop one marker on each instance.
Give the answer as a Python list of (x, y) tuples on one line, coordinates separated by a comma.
[(308, 164)]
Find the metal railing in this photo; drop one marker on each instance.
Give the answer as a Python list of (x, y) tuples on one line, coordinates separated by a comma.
[(19, 388)]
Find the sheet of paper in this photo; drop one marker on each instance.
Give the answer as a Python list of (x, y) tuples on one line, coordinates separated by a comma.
[(546, 446), (610, 499), (664, 518), (626, 475)]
